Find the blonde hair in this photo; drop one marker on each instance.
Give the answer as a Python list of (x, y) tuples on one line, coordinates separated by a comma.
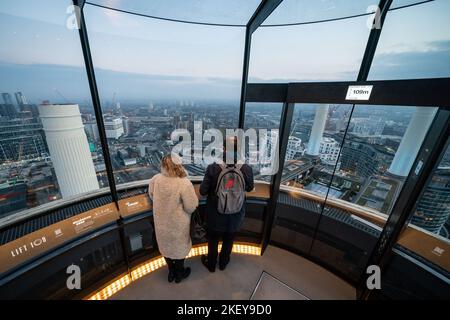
[(172, 168)]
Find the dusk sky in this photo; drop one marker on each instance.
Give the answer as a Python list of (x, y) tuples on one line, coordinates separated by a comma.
[(141, 58)]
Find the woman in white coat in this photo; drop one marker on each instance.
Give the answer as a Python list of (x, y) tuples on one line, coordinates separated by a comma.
[(174, 200)]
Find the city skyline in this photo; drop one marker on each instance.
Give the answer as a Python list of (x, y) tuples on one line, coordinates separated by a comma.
[(138, 136)]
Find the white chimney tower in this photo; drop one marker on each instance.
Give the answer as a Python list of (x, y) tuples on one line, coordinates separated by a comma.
[(69, 149), (318, 127), (412, 140)]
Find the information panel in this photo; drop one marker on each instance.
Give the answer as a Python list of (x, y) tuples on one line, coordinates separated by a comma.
[(45, 239)]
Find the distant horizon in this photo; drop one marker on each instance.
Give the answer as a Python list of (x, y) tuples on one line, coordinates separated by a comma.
[(144, 59)]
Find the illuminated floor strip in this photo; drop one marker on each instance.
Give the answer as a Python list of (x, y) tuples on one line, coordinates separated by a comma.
[(156, 263)]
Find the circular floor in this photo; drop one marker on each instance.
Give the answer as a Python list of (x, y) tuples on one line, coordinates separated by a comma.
[(278, 274)]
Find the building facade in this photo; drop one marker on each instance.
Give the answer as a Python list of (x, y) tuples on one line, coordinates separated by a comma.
[(113, 128), (21, 139)]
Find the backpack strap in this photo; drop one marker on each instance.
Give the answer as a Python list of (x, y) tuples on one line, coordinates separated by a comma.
[(240, 174), (224, 169)]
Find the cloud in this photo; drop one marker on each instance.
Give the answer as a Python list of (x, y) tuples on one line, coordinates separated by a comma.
[(434, 62), (39, 81)]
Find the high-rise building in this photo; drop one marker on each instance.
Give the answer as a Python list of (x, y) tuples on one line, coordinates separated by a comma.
[(20, 98), (372, 126), (126, 125), (7, 98), (113, 128), (433, 208), (7, 109), (69, 149), (92, 130), (360, 158), (329, 151), (142, 150), (268, 153), (294, 146)]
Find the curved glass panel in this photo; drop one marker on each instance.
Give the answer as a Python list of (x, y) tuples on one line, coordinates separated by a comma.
[(342, 177), (312, 152), (378, 153), (210, 11), (301, 11), (312, 140), (317, 52), (400, 3), (157, 76), (414, 43), (47, 151)]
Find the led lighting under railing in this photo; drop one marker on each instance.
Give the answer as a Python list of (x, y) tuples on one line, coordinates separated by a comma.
[(156, 263)]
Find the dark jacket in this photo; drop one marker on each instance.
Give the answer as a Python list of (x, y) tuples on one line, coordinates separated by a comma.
[(214, 220)]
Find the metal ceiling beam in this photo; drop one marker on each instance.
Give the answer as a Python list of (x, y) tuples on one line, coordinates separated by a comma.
[(84, 41), (287, 114), (372, 42), (79, 3), (265, 8)]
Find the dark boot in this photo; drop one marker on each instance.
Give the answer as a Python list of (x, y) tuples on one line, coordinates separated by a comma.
[(206, 263), (180, 271), (171, 266), (225, 252)]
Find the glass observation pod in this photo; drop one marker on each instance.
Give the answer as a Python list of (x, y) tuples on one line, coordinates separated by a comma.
[(353, 171)]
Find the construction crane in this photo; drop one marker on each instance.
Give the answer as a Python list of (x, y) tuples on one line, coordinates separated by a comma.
[(113, 101), (293, 127), (61, 95)]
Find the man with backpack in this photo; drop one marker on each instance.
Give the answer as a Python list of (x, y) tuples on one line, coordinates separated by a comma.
[(225, 186)]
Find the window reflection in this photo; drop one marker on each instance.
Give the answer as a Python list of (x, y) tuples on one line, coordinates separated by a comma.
[(368, 167), (433, 208), (313, 147)]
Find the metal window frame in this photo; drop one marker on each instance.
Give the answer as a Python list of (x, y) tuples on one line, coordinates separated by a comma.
[(265, 9), (90, 72)]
